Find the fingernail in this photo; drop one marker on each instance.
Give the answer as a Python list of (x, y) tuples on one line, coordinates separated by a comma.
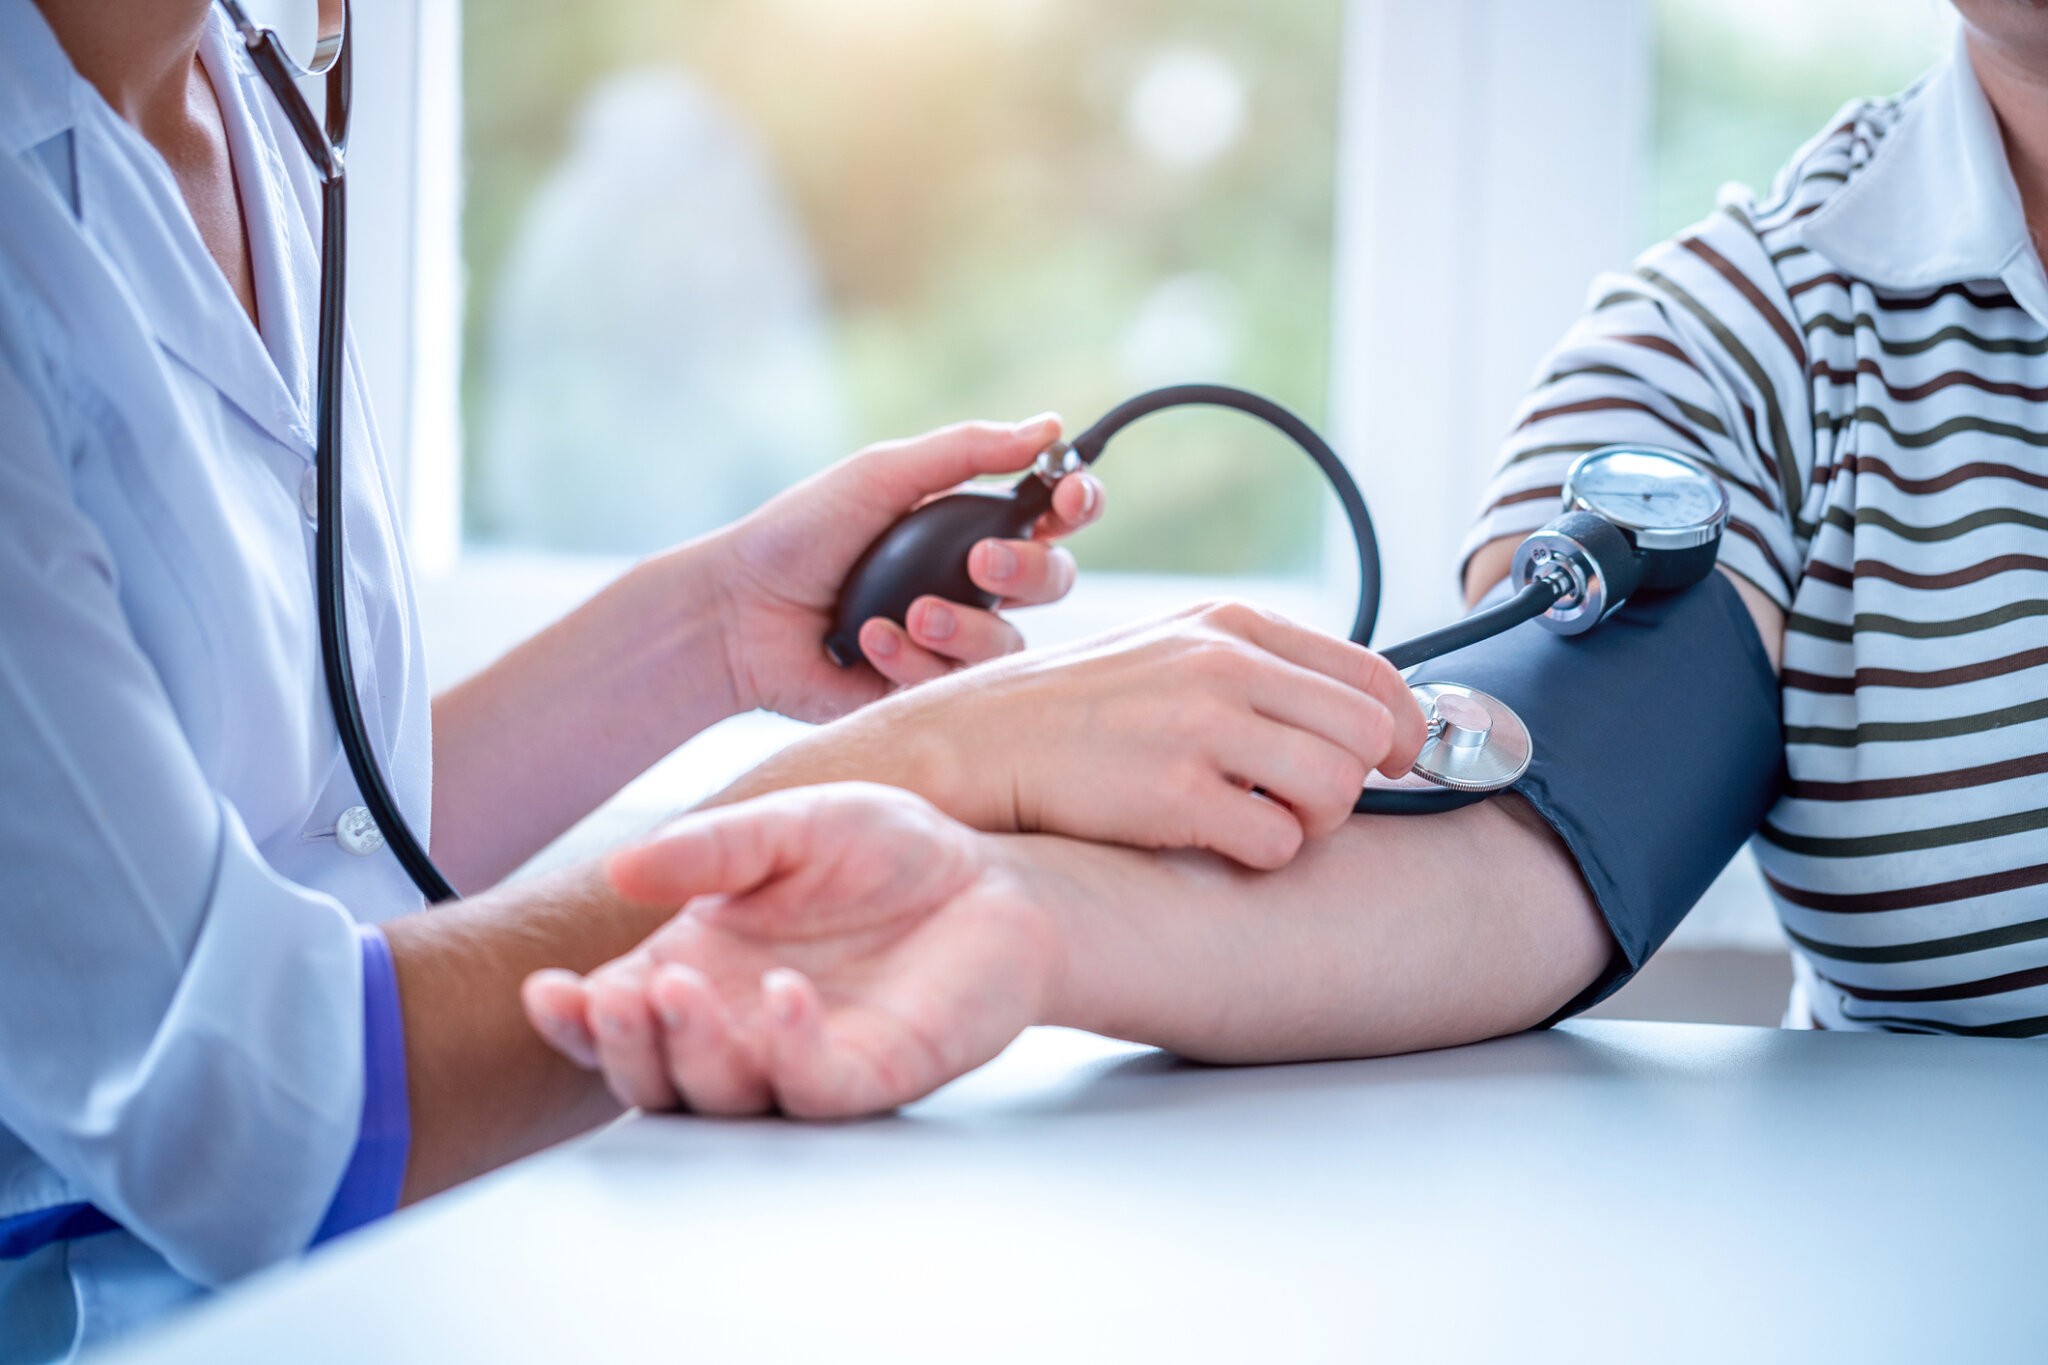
[(1092, 494), (610, 1024), (882, 642), (1039, 420), (937, 622), (671, 1017), (785, 1006), (998, 560)]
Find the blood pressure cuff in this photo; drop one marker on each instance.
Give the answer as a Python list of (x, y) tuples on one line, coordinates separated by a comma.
[(1658, 751)]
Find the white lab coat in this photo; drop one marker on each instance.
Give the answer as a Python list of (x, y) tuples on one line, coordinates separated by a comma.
[(181, 1012)]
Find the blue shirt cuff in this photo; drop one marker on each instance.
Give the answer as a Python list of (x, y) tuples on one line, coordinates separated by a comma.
[(376, 1169)]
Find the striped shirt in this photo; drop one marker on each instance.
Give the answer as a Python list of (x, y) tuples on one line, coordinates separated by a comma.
[(1863, 356)]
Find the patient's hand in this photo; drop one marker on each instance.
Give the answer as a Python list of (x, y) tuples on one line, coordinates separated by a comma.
[(837, 951)]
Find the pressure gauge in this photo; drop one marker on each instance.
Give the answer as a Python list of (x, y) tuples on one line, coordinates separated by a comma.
[(1671, 508), (1635, 519)]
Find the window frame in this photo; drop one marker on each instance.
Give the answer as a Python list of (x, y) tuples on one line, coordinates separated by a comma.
[(405, 280), (1420, 407)]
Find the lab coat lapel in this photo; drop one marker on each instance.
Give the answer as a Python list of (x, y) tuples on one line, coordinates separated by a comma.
[(284, 256), (133, 212)]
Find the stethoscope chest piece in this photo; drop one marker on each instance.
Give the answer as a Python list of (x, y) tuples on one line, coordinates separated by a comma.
[(1476, 742)]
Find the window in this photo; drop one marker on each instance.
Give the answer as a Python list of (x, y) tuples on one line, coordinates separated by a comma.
[(710, 246), (1741, 84), (714, 246)]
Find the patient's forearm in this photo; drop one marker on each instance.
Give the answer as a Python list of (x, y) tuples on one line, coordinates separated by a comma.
[(1395, 934)]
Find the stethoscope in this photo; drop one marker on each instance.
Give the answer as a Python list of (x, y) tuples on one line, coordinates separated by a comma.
[(1634, 519), (279, 61)]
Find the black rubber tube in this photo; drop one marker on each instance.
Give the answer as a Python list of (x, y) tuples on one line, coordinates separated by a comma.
[(1528, 604), (330, 560), (1415, 800), (1089, 446), (326, 147)]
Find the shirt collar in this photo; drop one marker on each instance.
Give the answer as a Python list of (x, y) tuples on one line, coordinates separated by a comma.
[(131, 210), (1936, 203), (284, 259), (38, 96)]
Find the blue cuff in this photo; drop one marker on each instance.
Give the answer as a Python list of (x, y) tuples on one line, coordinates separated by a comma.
[(370, 1184)]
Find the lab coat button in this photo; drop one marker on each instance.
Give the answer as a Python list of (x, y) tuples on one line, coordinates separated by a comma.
[(357, 833), (309, 494)]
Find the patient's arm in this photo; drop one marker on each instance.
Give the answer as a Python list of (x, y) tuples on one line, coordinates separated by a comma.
[(847, 949), (1393, 935)]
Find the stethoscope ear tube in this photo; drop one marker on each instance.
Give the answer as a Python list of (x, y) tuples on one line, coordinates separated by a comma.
[(324, 145)]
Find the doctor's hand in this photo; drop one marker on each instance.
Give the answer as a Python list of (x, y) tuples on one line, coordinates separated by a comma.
[(779, 570), (837, 951), (1223, 727)]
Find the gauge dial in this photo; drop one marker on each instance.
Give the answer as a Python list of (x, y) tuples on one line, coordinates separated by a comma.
[(1664, 500)]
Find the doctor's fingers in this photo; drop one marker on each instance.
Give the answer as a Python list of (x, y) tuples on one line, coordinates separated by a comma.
[(897, 657), (958, 633), (1357, 722), (1022, 572), (903, 471), (1076, 501), (1316, 780), (1353, 665), (1230, 819), (709, 1063), (558, 1008)]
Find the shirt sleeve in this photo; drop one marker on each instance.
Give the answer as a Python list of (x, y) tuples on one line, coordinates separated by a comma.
[(1699, 350), (376, 1169), (181, 1029)]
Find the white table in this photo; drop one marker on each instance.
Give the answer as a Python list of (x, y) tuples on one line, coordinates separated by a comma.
[(1608, 1191)]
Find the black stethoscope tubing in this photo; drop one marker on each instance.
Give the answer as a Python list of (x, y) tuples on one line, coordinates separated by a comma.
[(327, 146)]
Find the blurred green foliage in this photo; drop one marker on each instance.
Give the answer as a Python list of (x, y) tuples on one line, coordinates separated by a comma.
[(1741, 86), (986, 227)]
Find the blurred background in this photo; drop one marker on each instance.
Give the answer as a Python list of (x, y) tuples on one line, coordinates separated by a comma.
[(648, 261), (712, 245)]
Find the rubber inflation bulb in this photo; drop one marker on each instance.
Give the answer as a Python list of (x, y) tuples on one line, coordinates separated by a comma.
[(925, 555)]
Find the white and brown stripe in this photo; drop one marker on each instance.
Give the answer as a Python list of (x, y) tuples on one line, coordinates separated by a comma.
[(1887, 453)]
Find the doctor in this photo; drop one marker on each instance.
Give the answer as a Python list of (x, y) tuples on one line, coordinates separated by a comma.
[(228, 1030)]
